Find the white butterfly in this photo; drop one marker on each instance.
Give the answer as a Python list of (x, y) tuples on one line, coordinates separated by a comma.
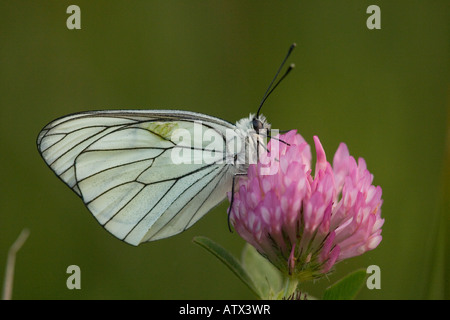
[(121, 164)]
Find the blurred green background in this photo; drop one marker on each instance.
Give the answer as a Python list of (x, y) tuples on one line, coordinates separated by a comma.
[(383, 92)]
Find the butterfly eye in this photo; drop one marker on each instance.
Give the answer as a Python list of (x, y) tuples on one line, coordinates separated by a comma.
[(257, 124)]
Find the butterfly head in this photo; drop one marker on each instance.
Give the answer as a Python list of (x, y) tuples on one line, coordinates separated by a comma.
[(253, 132), (260, 124), (257, 123)]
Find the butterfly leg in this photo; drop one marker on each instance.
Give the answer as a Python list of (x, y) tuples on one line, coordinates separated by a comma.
[(232, 197)]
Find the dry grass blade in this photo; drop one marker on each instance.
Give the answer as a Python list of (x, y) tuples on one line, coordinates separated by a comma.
[(10, 263)]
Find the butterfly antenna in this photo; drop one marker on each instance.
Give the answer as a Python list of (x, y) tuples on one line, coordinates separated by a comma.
[(271, 85)]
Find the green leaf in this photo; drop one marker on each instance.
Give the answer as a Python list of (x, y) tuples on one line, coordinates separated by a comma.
[(266, 278), (347, 288), (229, 260)]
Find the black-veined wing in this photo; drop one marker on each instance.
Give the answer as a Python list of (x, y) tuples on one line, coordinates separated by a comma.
[(121, 163)]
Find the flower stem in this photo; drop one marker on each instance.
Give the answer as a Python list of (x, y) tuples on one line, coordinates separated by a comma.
[(290, 286)]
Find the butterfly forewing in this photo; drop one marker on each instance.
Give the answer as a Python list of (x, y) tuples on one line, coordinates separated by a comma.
[(144, 175)]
